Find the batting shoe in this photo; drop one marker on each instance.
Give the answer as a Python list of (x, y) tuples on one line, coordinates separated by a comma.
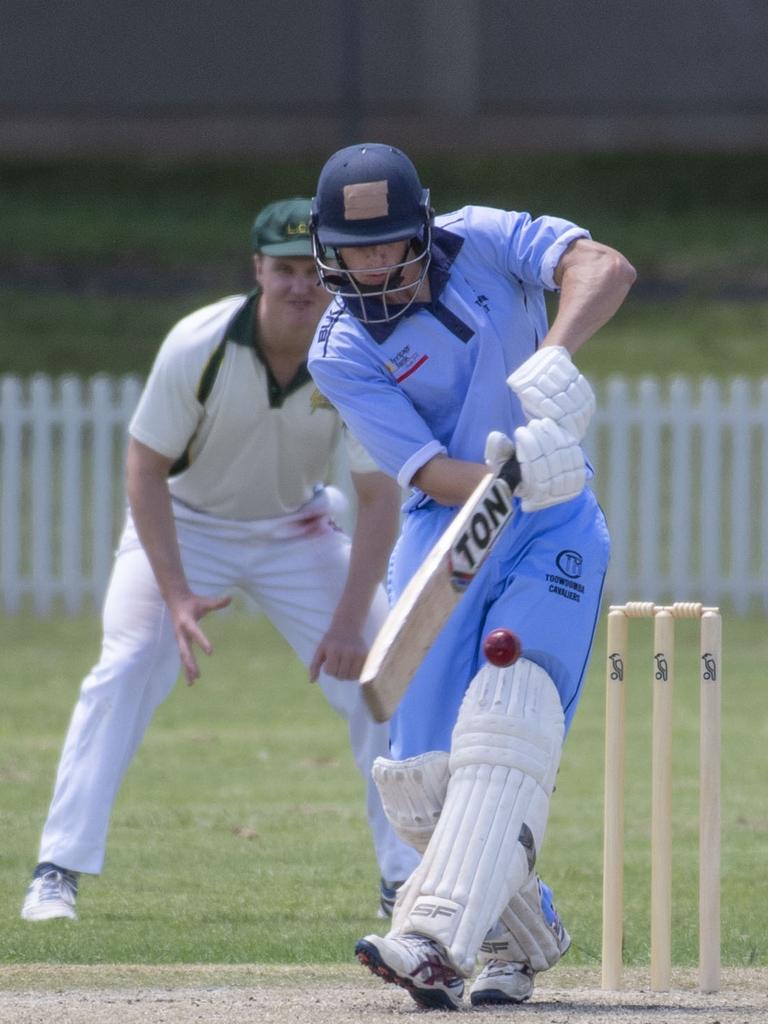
[(387, 897), (508, 981), (502, 981), (417, 964), (52, 893)]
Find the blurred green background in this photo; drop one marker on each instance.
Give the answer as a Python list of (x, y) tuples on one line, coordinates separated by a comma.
[(97, 261)]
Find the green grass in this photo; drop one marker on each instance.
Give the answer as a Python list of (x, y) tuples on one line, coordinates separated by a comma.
[(239, 836), (228, 840)]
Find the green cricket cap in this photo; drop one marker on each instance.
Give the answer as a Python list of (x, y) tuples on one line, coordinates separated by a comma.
[(282, 229)]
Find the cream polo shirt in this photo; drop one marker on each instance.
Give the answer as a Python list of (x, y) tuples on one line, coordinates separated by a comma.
[(245, 448)]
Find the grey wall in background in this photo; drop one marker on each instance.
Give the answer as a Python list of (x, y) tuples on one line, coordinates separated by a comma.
[(199, 77)]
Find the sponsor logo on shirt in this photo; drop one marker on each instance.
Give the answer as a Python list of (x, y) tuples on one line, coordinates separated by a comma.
[(404, 363), (317, 400), (570, 563), (563, 583)]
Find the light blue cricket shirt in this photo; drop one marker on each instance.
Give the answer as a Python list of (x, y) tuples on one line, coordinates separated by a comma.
[(434, 380)]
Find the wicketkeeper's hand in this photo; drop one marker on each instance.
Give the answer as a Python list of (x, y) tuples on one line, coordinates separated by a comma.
[(551, 463), (549, 385)]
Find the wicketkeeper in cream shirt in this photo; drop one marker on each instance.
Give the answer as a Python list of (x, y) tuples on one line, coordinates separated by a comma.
[(229, 450)]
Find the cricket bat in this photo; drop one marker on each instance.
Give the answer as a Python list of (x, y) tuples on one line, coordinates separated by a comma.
[(433, 592)]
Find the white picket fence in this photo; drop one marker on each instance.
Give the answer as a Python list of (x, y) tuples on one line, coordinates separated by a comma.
[(682, 473), (62, 447)]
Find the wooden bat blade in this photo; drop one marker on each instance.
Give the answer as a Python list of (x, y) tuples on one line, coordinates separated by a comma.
[(434, 590), (405, 638)]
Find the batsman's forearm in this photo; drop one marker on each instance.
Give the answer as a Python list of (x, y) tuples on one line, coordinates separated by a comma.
[(449, 481), (594, 281)]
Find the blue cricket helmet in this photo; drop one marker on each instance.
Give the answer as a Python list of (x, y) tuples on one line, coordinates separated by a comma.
[(367, 194)]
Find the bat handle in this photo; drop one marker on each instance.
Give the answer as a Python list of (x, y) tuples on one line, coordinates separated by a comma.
[(510, 473)]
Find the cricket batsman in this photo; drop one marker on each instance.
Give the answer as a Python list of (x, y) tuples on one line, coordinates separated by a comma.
[(438, 353)]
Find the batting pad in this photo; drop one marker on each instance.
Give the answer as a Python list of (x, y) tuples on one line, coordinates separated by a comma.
[(523, 934), (412, 794), (505, 753)]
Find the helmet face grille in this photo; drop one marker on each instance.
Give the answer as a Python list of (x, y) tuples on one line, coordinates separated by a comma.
[(375, 304)]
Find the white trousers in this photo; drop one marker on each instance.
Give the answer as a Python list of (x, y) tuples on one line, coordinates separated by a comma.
[(294, 576)]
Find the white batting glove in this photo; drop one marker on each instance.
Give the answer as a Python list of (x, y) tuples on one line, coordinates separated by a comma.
[(551, 464), (549, 385), (498, 449)]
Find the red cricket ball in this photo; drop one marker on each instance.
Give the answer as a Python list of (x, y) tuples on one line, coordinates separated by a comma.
[(502, 647)]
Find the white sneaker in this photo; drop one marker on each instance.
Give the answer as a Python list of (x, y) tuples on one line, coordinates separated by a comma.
[(417, 964), (51, 894), (508, 981), (511, 981), (502, 981)]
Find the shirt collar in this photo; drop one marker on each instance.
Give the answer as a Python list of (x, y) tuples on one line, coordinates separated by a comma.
[(243, 329), (445, 248)]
